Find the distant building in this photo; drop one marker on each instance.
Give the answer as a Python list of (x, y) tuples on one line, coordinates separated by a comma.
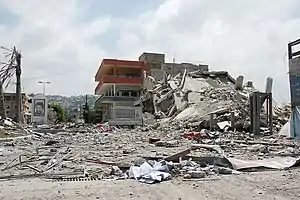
[(11, 105), (119, 85)]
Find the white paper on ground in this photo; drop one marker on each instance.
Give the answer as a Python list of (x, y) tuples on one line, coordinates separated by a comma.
[(148, 174)]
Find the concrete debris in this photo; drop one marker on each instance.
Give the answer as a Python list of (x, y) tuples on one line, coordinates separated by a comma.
[(148, 118), (105, 152), (285, 130), (273, 163), (196, 126), (207, 100), (8, 122)]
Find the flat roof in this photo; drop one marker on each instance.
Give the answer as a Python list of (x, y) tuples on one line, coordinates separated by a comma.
[(122, 62), (117, 62)]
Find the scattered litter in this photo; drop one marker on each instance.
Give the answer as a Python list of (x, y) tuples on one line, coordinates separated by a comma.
[(150, 174)]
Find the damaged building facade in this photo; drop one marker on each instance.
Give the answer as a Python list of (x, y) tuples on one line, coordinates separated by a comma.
[(124, 85), (11, 105), (119, 86), (132, 91), (159, 95), (158, 67)]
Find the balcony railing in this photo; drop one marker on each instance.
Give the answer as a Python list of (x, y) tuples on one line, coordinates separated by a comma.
[(126, 79), (116, 99)]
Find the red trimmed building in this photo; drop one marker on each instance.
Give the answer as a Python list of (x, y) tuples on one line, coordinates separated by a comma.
[(119, 85)]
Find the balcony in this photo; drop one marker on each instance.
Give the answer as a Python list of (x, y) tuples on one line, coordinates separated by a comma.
[(108, 65), (115, 99), (119, 79)]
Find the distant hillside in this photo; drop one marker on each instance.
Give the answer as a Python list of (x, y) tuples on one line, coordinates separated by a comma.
[(72, 101), (73, 104)]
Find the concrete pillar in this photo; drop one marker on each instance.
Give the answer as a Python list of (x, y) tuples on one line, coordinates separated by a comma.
[(255, 109), (239, 83), (269, 84), (114, 90), (270, 111)]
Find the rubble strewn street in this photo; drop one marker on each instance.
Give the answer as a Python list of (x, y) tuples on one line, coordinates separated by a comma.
[(190, 127), (169, 99), (199, 129), (88, 152)]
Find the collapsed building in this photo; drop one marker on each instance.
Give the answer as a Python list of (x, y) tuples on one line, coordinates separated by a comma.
[(141, 92), (194, 97), (200, 125), (11, 106), (121, 83)]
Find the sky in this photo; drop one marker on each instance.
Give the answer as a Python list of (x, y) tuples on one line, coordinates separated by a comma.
[(64, 41)]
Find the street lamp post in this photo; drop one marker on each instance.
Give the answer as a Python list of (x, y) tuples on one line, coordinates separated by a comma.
[(44, 85)]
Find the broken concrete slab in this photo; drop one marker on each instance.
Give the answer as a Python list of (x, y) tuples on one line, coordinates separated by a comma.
[(273, 163)]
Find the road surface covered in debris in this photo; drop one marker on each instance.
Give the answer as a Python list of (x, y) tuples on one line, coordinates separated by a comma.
[(195, 144), (279, 185)]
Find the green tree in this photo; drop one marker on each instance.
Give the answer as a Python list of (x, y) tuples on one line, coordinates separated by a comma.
[(95, 116), (59, 111)]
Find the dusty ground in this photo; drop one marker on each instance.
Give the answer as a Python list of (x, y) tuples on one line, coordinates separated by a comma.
[(267, 185)]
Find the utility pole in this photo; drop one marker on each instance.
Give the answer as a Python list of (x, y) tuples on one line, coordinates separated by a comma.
[(9, 69), (20, 117), (44, 85)]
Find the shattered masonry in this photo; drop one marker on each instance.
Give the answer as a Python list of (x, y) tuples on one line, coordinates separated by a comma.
[(195, 125)]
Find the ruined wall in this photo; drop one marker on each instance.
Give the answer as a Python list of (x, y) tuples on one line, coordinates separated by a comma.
[(154, 63), (157, 74), (176, 68), (157, 66), (152, 58)]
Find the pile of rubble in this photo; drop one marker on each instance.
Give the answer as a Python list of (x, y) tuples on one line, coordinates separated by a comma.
[(82, 152), (203, 100), (10, 129), (199, 130)]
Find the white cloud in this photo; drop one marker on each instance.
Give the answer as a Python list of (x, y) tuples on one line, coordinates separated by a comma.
[(242, 37), (55, 46)]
